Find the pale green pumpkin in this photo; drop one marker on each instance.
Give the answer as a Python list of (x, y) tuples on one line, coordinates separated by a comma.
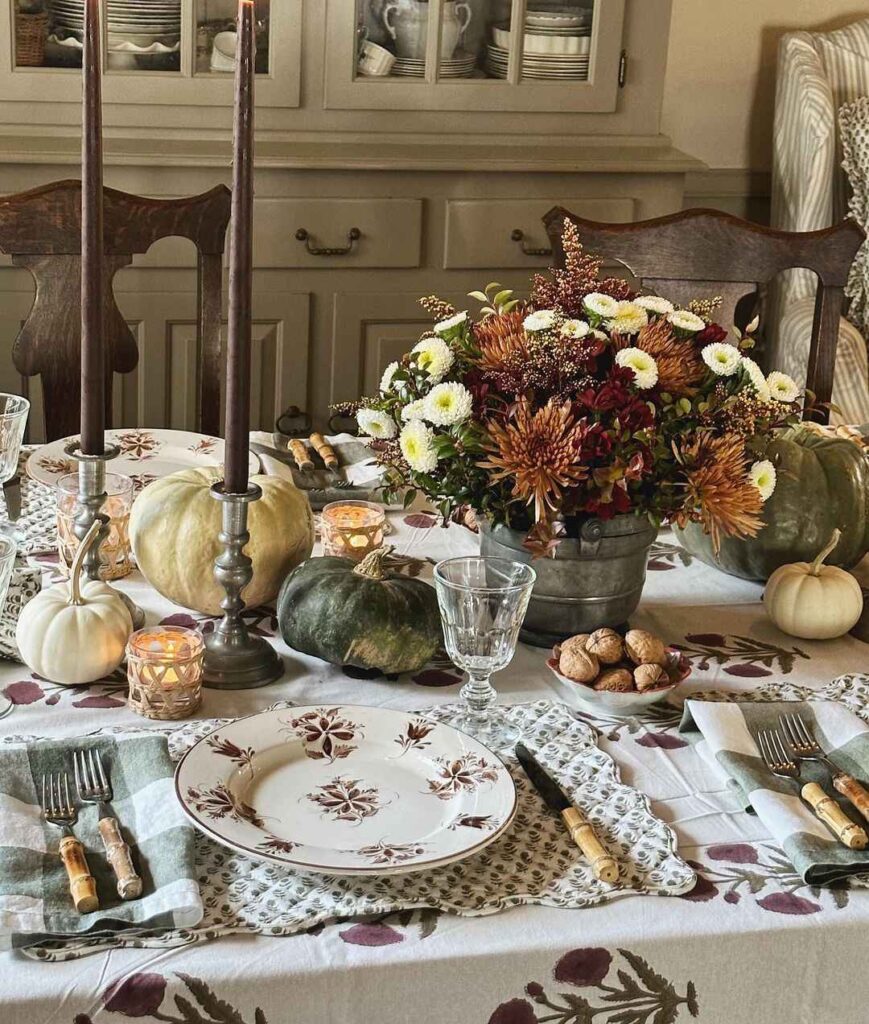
[(174, 529)]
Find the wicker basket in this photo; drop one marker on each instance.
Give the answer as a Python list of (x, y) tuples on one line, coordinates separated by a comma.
[(30, 34)]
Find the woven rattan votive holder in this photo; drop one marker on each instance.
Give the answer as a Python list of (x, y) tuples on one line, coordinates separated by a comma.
[(164, 672), (352, 529)]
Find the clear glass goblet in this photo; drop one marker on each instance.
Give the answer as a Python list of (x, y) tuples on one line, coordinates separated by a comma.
[(13, 419), (483, 603)]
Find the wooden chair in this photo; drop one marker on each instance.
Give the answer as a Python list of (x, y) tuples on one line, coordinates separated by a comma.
[(699, 253), (41, 230)]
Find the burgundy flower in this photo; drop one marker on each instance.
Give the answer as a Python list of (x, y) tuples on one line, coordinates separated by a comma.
[(435, 677), (180, 619), (25, 692), (706, 639), (371, 935), (583, 967), (731, 896), (748, 671), (736, 853), (709, 335), (534, 989), (98, 701), (702, 892), (788, 903), (139, 995), (662, 740), (419, 521), (514, 1011)]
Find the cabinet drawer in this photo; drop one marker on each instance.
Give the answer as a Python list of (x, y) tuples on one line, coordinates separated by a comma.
[(479, 231), (390, 232)]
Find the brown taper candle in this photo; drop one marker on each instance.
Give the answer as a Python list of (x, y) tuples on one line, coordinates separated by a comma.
[(240, 260), (93, 357)]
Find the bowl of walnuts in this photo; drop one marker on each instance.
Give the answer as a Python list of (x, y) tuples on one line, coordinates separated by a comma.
[(618, 675)]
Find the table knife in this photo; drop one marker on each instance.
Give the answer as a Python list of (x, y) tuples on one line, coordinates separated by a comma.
[(603, 866)]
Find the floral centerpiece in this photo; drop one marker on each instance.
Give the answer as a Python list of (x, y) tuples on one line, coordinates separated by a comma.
[(588, 400)]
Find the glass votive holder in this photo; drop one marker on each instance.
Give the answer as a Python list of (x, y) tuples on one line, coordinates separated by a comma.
[(164, 672), (352, 529), (115, 552)]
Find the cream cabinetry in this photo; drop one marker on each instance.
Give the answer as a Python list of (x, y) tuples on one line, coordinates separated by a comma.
[(370, 190)]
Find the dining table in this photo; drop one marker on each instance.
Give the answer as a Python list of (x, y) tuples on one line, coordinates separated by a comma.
[(750, 942)]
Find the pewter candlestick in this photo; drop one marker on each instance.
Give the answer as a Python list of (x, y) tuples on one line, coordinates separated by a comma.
[(91, 497), (235, 660)]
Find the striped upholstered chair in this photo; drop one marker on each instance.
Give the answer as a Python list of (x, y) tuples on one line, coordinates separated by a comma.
[(817, 74)]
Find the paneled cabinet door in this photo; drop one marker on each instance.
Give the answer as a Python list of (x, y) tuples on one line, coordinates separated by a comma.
[(162, 391)]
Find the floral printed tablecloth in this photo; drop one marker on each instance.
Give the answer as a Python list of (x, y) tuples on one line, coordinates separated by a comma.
[(750, 943)]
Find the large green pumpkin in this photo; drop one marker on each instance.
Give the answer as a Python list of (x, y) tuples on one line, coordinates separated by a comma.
[(361, 615), (822, 485)]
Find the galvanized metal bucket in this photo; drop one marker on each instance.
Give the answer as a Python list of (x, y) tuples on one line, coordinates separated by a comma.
[(593, 580)]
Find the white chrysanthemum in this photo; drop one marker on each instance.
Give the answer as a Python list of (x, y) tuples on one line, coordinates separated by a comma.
[(757, 379), (386, 379), (644, 366), (417, 446), (722, 358), (629, 319), (599, 335), (762, 475), (445, 326), (539, 320), (782, 388), (655, 304), (600, 304), (447, 404), (574, 329), (377, 424), (434, 356), (685, 321), (414, 410)]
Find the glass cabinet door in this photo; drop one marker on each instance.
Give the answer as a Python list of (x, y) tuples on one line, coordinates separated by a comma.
[(474, 54), (183, 49)]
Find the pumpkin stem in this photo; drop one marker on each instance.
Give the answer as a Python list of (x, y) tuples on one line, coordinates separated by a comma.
[(371, 565), (75, 597), (815, 568)]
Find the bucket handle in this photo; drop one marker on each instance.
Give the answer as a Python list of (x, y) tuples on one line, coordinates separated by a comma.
[(590, 537)]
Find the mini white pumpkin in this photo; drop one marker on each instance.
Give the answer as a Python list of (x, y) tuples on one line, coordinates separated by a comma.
[(812, 600), (75, 632)]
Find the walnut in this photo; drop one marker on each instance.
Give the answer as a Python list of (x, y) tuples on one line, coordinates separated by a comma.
[(575, 642), (647, 677), (577, 664), (645, 648), (619, 680), (607, 645)]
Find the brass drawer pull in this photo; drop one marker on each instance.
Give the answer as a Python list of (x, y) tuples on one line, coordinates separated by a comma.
[(353, 235), (517, 235)]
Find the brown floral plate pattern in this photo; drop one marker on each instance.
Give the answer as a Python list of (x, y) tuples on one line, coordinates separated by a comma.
[(346, 790)]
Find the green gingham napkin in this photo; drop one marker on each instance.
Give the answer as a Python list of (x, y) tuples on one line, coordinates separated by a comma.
[(34, 891), (729, 730)]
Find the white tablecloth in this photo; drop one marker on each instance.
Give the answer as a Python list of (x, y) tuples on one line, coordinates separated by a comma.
[(750, 944)]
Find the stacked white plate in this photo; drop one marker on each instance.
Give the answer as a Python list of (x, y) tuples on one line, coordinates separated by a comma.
[(565, 21), (461, 65), (539, 66), (141, 22)]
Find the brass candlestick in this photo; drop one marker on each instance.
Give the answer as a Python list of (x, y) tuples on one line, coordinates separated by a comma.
[(235, 660)]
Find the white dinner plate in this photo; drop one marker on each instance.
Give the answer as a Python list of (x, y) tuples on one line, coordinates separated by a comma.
[(346, 790), (145, 455)]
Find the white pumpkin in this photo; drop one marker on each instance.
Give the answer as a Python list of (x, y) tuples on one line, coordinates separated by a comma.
[(174, 529), (75, 632), (812, 600)]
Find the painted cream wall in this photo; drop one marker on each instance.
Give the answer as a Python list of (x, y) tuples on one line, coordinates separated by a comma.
[(719, 90)]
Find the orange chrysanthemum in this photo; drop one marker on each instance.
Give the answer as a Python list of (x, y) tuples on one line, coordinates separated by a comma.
[(538, 451), (680, 368), (502, 340), (719, 491)]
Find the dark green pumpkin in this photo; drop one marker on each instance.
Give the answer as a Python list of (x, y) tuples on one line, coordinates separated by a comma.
[(822, 484), (361, 615)]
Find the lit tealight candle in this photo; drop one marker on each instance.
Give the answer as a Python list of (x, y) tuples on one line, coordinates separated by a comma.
[(352, 529), (164, 671)]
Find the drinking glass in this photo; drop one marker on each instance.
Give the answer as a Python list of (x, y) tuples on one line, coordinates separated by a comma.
[(8, 550), (13, 420), (115, 552), (483, 603)]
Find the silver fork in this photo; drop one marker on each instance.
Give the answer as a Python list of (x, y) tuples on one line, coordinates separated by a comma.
[(94, 787), (780, 761), (806, 746), (59, 810)]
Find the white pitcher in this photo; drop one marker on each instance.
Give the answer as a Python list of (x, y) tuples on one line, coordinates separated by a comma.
[(407, 23)]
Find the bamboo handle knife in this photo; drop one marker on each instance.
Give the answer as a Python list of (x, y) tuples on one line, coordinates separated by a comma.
[(603, 866), (299, 451), (848, 833), (326, 452), (82, 885), (118, 853), (852, 790)]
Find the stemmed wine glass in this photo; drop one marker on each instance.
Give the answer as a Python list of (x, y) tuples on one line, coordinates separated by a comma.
[(13, 419), (483, 603)]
